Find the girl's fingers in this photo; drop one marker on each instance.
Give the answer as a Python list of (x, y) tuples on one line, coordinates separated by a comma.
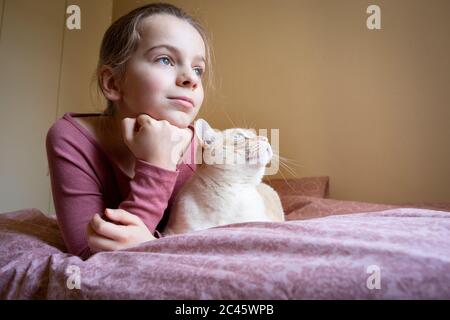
[(144, 119), (108, 229), (98, 243), (123, 217), (128, 128)]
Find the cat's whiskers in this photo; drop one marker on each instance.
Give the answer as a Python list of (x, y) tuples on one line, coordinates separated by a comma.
[(286, 160), (287, 167), (245, 120), (284, 165), (229, 118), (294, 162), (277, 158), (284, 178)]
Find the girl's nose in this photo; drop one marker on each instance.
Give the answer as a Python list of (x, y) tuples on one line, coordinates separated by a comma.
[(187, 81)]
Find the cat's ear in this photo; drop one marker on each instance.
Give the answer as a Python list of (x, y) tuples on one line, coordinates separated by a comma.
[(204, 132)]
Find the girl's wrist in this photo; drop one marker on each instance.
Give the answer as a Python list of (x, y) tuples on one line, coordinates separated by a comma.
[(161, 164)]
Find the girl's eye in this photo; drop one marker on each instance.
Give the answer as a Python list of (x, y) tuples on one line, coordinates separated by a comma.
[(167, 62), (199, 71), (164, 60)]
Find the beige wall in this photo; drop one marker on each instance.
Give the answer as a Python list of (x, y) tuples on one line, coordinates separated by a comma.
[(370, 109), (45, 70), (2, 3), (30, 45), (80, 56)]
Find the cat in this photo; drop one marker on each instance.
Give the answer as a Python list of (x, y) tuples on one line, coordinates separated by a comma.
[(226, 191)]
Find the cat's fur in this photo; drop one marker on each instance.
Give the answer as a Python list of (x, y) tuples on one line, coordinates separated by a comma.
[(219, 194)]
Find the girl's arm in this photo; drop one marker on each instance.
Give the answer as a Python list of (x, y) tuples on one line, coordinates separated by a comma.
[(151, 142), (78, 192)]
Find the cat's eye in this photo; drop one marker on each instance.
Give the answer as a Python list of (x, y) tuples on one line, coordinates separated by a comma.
[(209, 141)]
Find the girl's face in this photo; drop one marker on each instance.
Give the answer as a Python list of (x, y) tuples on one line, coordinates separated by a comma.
[(168, 64)]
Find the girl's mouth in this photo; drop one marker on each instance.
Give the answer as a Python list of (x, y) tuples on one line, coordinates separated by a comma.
[(182, 101)]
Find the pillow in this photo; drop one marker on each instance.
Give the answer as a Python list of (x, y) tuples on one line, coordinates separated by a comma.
[(308, 198)]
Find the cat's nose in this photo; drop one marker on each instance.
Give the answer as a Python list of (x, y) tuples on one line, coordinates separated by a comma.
[(269, 150), (263, 138)]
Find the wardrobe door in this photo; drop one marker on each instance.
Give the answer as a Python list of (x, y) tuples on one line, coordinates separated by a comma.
[(30, 55), (45, 69)]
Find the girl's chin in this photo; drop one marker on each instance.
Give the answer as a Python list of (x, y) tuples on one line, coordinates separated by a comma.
[(176, 118), (179, 120)]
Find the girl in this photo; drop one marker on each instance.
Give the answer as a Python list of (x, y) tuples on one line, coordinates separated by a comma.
[(129, 162)]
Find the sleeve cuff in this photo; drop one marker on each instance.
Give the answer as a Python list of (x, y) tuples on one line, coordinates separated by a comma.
[(148, 169)]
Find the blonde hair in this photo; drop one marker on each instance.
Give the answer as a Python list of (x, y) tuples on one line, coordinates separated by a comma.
[(122, 38)]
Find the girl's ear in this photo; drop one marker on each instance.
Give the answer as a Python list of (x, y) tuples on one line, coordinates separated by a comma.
[(109, 84), (204, 132)]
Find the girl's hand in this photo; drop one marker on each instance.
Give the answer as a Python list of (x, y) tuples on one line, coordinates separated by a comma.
[(107, 236), (155, 141)]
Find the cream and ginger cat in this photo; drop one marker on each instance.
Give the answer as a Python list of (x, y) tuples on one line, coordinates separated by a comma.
[(226, 187)]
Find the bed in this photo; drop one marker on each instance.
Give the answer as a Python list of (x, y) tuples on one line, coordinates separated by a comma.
[(326, 249)]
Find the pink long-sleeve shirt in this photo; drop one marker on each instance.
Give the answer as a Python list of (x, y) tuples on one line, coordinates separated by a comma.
[(85, 181)]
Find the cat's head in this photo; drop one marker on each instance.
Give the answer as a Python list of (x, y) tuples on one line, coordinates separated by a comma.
[(235, 149)]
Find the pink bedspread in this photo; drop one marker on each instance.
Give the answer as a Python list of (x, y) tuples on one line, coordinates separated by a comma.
[(394, 253)]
